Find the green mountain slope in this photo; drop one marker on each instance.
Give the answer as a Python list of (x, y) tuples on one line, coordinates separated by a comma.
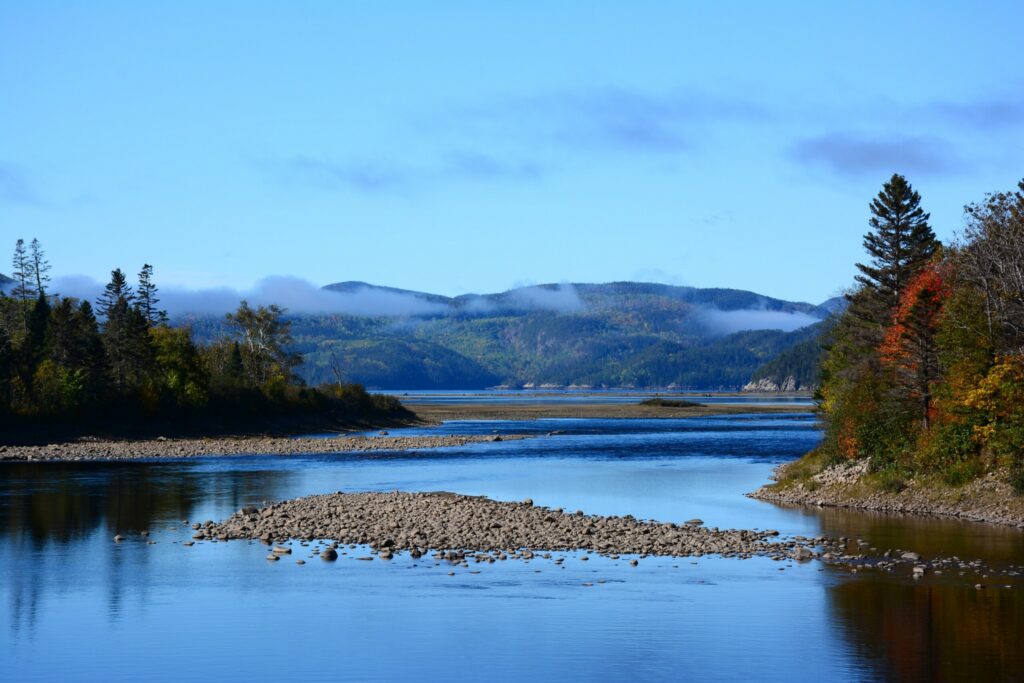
[(622, 334)]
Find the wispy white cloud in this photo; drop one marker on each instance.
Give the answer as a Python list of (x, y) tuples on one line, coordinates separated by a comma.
[(718, 322)]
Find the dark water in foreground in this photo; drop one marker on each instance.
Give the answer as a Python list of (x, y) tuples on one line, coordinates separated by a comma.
[(76, 606)]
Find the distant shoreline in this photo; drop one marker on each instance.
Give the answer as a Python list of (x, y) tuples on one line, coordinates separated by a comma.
[(439, 412), (132, 447)]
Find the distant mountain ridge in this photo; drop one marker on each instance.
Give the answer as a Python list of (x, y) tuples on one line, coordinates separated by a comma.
[(619, 334)]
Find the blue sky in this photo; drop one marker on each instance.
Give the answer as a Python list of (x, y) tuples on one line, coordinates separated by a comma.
[(456, 147)]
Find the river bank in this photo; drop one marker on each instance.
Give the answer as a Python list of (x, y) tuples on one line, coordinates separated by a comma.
[(162, 448), (435, 413), (989, 498)]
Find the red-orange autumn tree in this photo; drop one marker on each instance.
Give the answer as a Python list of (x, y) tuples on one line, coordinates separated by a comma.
[(910, 348)]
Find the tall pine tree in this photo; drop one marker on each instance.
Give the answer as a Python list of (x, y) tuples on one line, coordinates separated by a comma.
[(900, 244)]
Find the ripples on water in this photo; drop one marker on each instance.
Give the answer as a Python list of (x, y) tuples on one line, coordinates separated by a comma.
[(76, 606)]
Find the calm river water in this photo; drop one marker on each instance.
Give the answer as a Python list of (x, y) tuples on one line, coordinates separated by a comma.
[(76, 606)]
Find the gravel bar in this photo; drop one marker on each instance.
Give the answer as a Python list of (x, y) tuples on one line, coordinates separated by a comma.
[(193, 448), (458, 528)]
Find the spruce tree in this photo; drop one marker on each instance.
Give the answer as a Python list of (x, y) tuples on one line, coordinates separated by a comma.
[(33, 348), (113, 292), (39, 267), (94, 360), (900, 243), (21, 272), (147, 299)]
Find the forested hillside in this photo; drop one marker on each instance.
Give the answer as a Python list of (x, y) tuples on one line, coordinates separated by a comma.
[(797, 368), (590, 335)]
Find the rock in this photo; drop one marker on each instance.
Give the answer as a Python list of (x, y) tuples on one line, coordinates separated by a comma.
[(118, 538), (300, 561), (272, 557), (281, 550), (528, 501), (329, 554), (912, 557), (694, 522), (189, 544), (633, 563)]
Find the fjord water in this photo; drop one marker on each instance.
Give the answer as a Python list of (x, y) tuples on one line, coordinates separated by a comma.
[(77, 606)]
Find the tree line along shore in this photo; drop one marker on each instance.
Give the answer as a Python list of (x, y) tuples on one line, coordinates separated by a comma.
[(922, 393), (68, 368)]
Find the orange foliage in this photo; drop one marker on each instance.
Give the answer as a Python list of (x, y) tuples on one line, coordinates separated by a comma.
[(920, 305)]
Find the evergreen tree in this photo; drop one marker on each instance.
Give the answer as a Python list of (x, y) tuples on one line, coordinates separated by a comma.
[(900, 243), (147, 299), (126, 342), (125, 334), (113, 292), (22, 273), (33, 348), (93, 359), (39, 267)]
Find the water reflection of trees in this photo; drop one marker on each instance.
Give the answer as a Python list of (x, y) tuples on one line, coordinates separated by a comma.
[(63, 502), (941, 629), (933, 632), (929, 536), (59, 516)]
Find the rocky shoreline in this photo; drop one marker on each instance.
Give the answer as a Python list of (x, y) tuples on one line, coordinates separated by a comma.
[(160, 448), (989, 498), (460, 529)]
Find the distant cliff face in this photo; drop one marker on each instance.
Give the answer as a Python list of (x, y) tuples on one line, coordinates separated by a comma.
[(771, 384), (798, 367)]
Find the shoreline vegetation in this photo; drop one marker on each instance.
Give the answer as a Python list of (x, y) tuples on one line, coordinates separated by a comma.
[(68, 369), (922, 393)]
